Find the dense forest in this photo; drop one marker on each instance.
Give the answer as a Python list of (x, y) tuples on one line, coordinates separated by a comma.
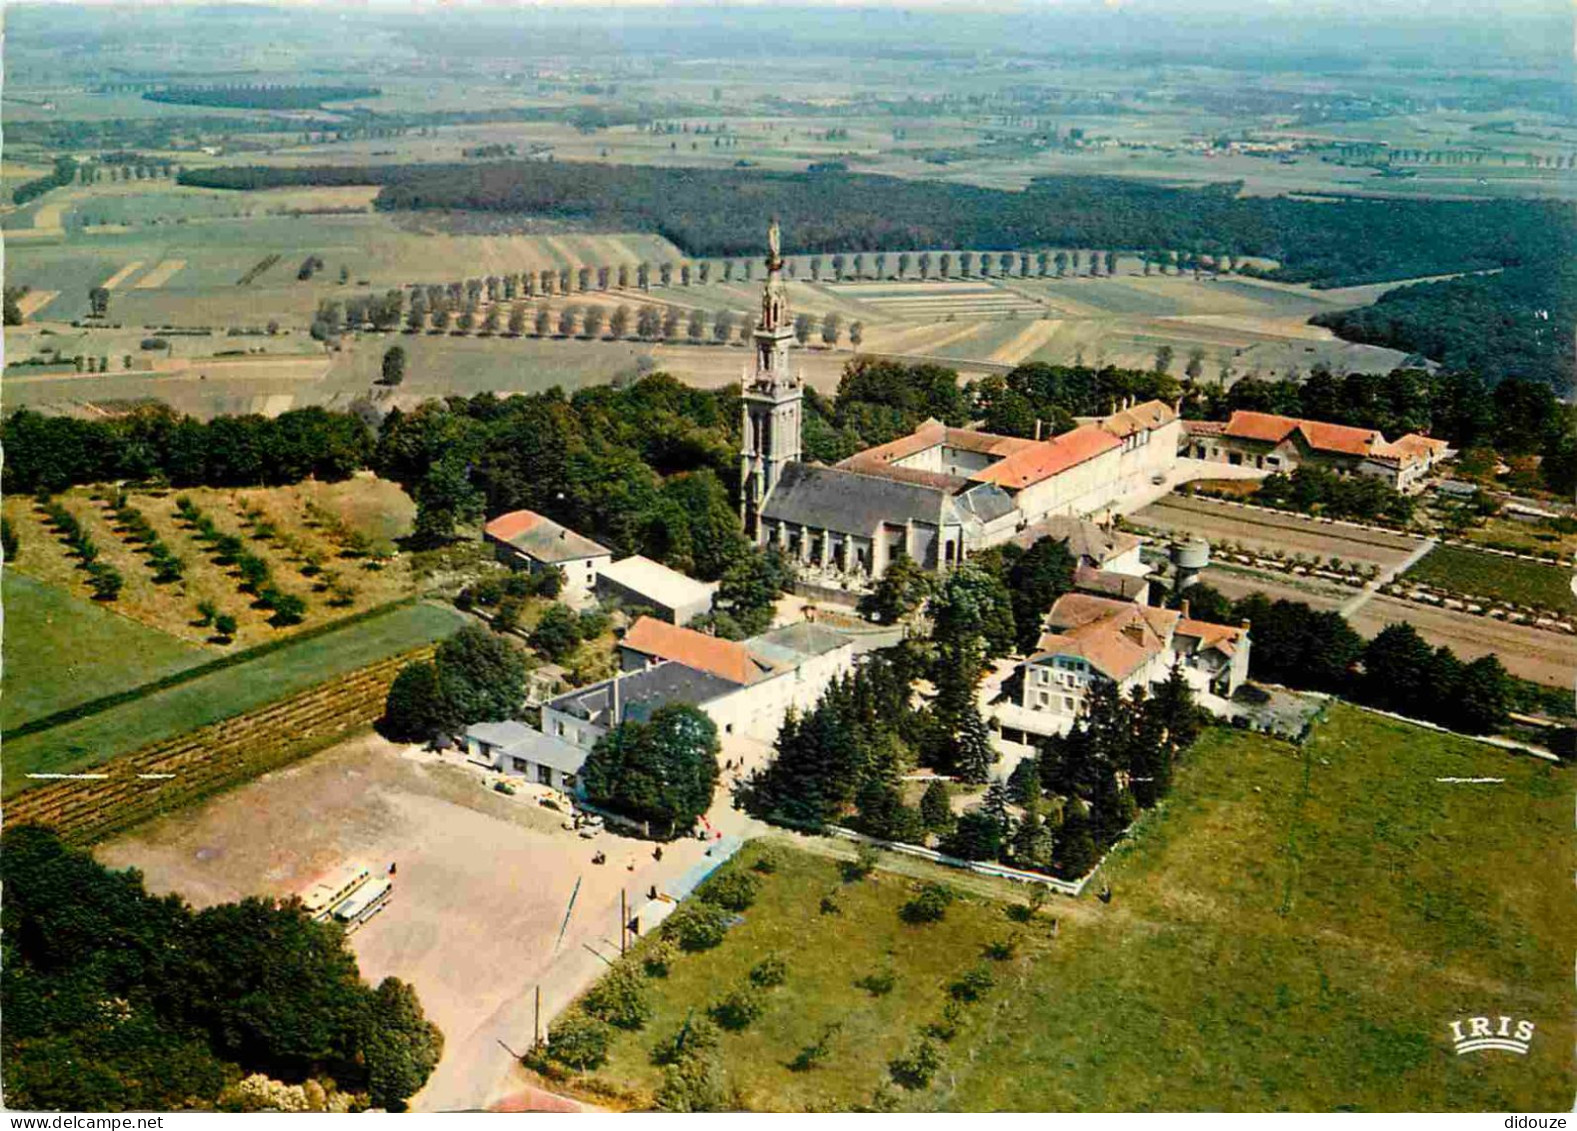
[(260, 97), (1516, 322), (720, 212), (118, 1000)]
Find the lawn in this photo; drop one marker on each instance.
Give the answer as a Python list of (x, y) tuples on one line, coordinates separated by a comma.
[(1295, 930), (231, 691), (1489, 575), (65, 650)]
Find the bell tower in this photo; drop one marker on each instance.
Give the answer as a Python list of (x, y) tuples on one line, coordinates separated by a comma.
[(770, 438)]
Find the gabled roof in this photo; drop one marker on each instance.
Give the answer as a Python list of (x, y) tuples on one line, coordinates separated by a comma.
[(1139, 418), (793, 644), (883, 460), (1108, 582), (1115, 637), (849, 502), (1320, 436), (1040, 461), (1085, 540), (727, 659), (641, 693), (1223, 638), (542, 539), (517, 740)]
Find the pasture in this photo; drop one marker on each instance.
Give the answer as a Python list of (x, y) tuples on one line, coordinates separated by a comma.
[(77, 745), (1294, 930), (64, 650)]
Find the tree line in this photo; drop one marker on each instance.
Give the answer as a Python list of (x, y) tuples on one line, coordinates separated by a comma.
[(260, 96), (1397, 671), (119, 1000)]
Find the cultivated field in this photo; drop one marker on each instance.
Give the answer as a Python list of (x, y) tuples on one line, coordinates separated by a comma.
[(311, 554), (64, 650), (73, 746), (1490, 575)]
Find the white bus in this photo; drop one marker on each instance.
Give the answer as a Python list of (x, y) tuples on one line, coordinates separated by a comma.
[(323, 897), (366, 902)]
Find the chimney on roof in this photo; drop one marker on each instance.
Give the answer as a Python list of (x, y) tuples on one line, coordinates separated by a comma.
[(1134, 630), (1037, 428), (1246, 624), (1183, 608)]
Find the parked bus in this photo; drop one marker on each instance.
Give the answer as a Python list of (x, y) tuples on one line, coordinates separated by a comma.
[(366, 902), (323, 897)]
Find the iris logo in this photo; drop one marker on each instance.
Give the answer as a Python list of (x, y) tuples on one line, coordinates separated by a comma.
[(1477, 1034)]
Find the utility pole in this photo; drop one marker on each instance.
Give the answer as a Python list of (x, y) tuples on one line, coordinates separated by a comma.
[(624, 920), (536, 1020)]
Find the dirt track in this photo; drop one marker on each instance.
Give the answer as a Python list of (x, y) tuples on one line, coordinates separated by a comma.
[(1288, 533)]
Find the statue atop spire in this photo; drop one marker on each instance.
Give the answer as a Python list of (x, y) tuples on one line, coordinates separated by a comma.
[(772, 394), (774, 298)]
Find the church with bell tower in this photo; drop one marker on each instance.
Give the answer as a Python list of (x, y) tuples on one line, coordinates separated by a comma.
[(934, 496), (773, 396)]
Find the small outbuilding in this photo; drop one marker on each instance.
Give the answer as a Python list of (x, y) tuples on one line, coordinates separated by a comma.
[(512, 747), (641, 583), (528, 540)]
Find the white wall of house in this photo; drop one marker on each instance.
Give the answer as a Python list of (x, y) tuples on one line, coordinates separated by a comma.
[(1081, 490), (757, 710)]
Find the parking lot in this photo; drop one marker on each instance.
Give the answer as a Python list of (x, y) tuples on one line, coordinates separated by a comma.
[(482, 888)]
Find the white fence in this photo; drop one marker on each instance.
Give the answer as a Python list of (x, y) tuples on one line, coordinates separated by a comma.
[(979, 867)]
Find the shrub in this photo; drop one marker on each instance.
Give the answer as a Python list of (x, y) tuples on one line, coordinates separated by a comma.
[(973, 985), (916, 1069), (929, 906), (945, 1028), (812, 1055), (1000, 950), (619, 998), (579, 1042), (866, 857), (695, 1035), (697, 926), (224, 625), (770, 971), (878, 983), (768, 862), (830, 904), (657, 960), (733, 889), (694, 1083), (740, 1009)]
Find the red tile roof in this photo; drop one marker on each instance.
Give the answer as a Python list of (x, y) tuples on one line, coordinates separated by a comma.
[(727, 659), (1040, 461), (1322, 437), (1139, 418), (507, 526), (1222, 637)]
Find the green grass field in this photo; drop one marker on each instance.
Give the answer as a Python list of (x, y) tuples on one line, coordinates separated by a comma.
[(63, 650), (1295, 930), (85, 742), (1489, 575)]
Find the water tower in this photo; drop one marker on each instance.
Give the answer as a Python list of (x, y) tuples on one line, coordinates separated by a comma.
[(1188, 558)]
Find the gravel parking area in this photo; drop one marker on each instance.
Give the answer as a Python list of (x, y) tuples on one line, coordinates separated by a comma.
[(481, 890)]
